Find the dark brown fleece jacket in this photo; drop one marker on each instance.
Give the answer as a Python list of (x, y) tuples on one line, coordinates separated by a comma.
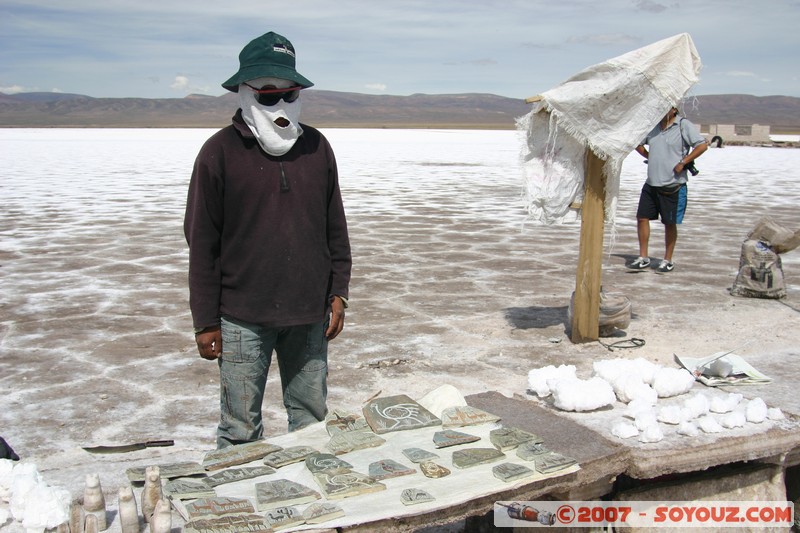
[(267, 235)]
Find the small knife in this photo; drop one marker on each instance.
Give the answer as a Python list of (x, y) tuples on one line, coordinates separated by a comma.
[(122, 448)]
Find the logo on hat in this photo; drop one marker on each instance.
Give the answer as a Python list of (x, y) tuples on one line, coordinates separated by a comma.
[(268, 56), (283, 49)]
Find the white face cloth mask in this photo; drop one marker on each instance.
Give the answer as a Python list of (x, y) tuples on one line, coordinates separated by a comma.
[(273, 139)]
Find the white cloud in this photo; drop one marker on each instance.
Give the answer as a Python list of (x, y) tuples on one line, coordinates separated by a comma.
[(376, 87), (16, 89), (181, 83), (13, 89)]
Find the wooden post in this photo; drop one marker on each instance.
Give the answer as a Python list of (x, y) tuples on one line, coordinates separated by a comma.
[(586, 306)]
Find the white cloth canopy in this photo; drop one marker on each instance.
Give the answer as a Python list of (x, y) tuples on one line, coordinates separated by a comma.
[(608, 108)]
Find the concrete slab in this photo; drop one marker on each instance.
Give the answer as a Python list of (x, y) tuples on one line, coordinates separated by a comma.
[(586, 436)]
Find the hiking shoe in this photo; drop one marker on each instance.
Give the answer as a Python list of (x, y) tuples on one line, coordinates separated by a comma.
[(640, 263), (665, 266)]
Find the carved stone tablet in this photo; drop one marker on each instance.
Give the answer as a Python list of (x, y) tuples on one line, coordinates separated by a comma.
[(282, 492), (237, 474), (415, 496), (316, 513), (238, 454), (464, 415), (449, 437), (188, 489), (168, 471), (388, 468), (326, 462), (397, 413), (530, 450), (219, 507), (350, 441), (339, 422), (228, 524), (347, 484), (283, 517), (509, 472), (507, 438), (550, 462), (417, 455), (476, 456), (433, 470), (287, 456)]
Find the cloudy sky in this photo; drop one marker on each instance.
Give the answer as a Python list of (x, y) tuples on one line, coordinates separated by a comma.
[(514, 48)]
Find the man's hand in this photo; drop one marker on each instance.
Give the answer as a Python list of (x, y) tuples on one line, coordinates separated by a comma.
[(337, 319), (209, 343)]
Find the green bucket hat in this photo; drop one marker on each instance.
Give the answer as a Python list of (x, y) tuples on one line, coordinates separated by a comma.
[(270, 55)]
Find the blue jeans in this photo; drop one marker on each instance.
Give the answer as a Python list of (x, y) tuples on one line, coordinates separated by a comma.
[(302, 353)]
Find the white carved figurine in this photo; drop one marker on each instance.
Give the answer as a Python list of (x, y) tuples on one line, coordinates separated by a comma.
[(151, 492), (94, 502), (128, 512)]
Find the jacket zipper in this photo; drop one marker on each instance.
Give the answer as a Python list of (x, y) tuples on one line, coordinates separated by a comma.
[(284, 181)]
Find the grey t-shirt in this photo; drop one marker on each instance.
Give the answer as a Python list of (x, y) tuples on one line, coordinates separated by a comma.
[(666, 148)]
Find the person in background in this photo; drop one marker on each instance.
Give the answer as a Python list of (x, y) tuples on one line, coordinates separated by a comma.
[(672, 147), (269, 252)]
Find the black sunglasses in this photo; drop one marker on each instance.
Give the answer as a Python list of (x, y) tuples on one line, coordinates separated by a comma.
[(272, 95)]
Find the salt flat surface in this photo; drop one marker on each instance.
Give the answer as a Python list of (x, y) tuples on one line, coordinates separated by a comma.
[(449, 282)]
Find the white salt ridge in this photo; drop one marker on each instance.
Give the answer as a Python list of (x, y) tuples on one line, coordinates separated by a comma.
[(673, 415), (538, 378), (774, 413), (629, 388), (735, 419), (32, 501), (698, 405), (688, 429), (610, 369), (645, 419), (756, 411), (637, 406), (639, 379), (709, 424), (6, 469), (669, 382), (46, 507), (24, 477), (582, 395), (651, 434), (725, 404), (624, 430)]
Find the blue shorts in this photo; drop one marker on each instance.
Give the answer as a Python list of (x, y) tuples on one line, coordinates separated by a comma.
[(669, 204)]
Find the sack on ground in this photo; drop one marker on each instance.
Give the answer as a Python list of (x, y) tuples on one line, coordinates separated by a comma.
[(778, 238), (760, 272)]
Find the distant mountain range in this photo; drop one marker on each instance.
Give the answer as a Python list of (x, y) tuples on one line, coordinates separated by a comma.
[(340, 109)]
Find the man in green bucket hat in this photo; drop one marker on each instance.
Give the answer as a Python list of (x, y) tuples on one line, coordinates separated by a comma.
[(269, 253)]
